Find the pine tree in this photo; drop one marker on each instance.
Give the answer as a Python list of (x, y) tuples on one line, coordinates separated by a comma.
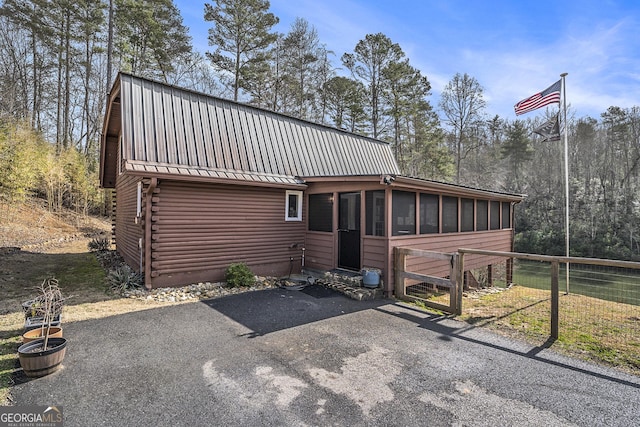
[(91, 14), (346, 99), (370, 57), (33, 17), (241, 37), (301, 46), (517, 149), (150, 37), (404, 88)]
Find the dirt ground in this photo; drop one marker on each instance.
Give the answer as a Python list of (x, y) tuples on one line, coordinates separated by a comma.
[(36, 244)]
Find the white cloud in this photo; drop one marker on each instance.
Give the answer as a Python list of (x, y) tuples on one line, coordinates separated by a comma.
[(598, 47)]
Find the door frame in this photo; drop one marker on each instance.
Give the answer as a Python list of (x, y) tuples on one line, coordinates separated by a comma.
[(353, 248)]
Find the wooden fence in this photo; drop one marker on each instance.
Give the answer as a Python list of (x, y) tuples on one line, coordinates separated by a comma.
[(454, 282), (451, 284)]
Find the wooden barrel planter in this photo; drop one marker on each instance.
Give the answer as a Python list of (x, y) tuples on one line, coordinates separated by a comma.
[(34, 334), (37, 361)]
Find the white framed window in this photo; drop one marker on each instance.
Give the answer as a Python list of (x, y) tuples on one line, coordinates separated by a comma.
[(293, 206)]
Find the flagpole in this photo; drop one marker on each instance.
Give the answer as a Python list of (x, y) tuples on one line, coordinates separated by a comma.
[(566, 173)]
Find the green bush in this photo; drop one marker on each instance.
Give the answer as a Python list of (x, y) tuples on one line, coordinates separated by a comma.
[(123, 279), (238, 274)]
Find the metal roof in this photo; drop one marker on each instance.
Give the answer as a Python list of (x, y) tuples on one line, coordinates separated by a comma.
[(456, 189), (169, 130)]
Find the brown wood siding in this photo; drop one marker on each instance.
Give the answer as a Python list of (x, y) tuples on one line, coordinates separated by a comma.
[(319, 253), (374, 253), (497, 240), (199, 229), (127, 232)]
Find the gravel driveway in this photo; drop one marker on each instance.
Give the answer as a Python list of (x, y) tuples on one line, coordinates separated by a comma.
[(291, 358)]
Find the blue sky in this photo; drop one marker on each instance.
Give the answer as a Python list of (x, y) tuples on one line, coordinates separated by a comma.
[(513, 48)]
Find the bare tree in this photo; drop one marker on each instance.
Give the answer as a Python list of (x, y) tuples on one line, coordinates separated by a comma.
[(463, 105)]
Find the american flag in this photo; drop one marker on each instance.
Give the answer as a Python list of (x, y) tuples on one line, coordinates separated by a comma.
[(548, 96)]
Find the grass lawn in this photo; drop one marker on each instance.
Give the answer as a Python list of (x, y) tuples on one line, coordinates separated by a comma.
[(599, 319), (589, 328), (607, 283)]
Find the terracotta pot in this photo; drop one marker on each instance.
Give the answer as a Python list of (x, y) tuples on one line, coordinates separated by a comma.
[(34, 334), (37, 362)]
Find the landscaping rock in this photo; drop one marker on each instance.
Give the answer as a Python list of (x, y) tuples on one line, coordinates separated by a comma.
[(196, 291), (358, 293)]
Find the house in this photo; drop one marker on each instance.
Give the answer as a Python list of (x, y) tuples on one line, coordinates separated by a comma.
[(202, 182)]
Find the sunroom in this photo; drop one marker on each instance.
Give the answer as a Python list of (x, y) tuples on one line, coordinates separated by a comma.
[(356, 222)]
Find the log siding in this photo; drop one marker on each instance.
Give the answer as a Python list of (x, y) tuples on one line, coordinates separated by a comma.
[(127, 233), (199, 229)]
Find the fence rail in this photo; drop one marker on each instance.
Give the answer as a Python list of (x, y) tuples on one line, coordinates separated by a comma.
[(402, 290), (528, 294)]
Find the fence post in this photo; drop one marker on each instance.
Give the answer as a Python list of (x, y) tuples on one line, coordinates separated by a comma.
[(400, 267), (459, 262), (555, 273)]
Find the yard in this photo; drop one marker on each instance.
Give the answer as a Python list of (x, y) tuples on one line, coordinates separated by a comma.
[(82, 278), (52, 246), (599, 319)]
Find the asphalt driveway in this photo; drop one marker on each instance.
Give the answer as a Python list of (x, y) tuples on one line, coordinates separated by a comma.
[(291, 358)]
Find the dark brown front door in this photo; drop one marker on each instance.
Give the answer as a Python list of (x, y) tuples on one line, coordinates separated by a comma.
[(349, 231)]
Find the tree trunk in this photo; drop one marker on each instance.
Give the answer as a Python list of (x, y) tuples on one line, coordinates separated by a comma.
[(109, 46), (66, 138)]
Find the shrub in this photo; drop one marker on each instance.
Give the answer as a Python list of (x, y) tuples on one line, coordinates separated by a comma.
[(99, 244), (109, 260), (123, 278), (238, 274)]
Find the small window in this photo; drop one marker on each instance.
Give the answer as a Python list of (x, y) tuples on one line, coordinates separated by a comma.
[(467, 214), (506, 215), (403, 208), (449, 214), (375, 212), (429, 213), (495, 215), (482, 215), (320, 212), (293, 206)]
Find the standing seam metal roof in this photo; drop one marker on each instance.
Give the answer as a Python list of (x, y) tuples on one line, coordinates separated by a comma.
[(166, 128)]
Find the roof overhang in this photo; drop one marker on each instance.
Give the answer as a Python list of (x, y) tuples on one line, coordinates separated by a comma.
[(343, 178), (109, 138), (419, 184), (448, 189), (221, 176)]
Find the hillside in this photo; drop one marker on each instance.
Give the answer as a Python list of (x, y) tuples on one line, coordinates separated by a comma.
[(31, 227)]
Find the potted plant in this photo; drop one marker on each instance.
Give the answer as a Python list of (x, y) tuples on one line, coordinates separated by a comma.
[(33, 314), (44, 355), (34, 324)]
